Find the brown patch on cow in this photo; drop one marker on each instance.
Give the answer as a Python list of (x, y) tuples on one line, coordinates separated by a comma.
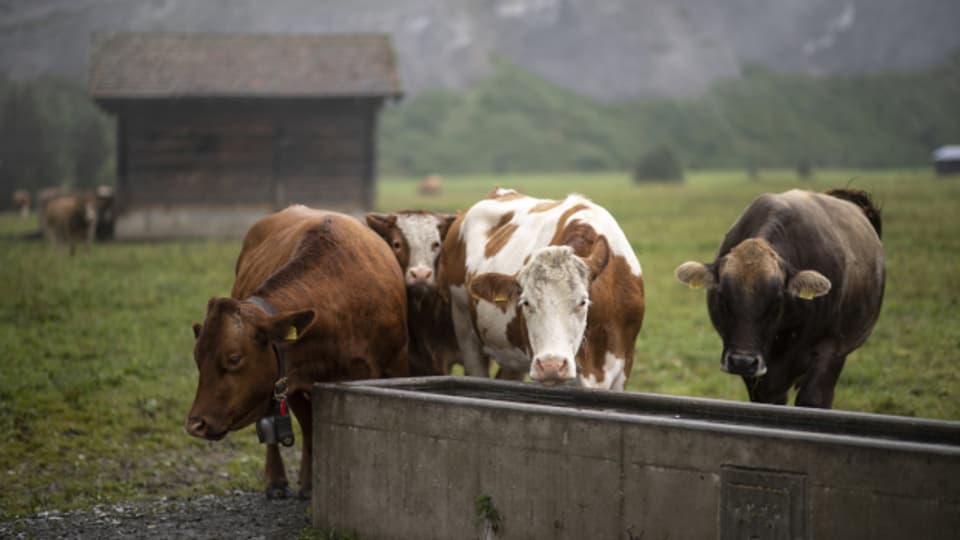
[(545, 206), (517, 334), (452, 268), (615, 317), (500, 290), (753, 262), (499, 235), (502, 222), (578, 235)]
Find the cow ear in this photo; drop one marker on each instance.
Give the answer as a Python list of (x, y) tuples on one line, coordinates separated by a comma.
[(808, 284), (445, 221), (381, 223), (289, 327), (197, 327), (696, 275), (599, 257), (495, 288)]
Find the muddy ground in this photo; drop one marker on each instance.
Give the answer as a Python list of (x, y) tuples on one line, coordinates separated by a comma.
[(240, 515)]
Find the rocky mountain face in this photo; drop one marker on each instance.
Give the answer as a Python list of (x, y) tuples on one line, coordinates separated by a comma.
[(608, 49)]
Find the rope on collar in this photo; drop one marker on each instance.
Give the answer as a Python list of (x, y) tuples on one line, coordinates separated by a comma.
[(275, 429), (279, 387)]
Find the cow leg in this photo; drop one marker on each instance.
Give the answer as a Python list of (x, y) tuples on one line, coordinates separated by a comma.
[(300, 404), (817, 385), (473, 358), (277, 486)]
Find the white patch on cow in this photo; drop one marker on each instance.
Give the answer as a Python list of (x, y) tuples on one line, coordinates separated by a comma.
[(492, 323), (422, 234), (554, 302), (613, 376)]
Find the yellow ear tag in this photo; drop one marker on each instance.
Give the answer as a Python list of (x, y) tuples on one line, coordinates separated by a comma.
[(500, 298), (291, 334), (695, 285), (806, 294)]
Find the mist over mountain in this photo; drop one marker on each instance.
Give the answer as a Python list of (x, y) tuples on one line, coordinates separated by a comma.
[(606, 49)]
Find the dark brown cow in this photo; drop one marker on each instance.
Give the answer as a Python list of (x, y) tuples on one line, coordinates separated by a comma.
[(70, 219), (796, 286), (327, 282), (415, 237)]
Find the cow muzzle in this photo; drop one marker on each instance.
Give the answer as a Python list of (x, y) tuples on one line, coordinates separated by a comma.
[(743, 364), (201, 428), (550, 370), (420, 276)]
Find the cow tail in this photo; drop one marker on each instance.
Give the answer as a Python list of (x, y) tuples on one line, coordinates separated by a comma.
[(864, 201)]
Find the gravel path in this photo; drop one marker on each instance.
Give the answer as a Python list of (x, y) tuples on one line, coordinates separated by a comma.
[(240, 515)]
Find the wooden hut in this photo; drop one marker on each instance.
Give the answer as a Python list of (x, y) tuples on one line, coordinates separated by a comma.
[(946, 160), (216, 130)]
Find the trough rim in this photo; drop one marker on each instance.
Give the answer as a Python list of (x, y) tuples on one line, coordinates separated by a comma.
[(875, 430)]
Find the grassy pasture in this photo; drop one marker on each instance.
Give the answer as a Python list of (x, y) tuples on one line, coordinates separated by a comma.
[(96, 370)]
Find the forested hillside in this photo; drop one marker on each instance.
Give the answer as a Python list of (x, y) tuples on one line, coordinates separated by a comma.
[(513, 122)]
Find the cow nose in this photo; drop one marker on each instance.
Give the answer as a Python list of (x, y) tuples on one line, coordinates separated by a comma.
[(744, 364), (420, 275), (197, 427), (550, 370)]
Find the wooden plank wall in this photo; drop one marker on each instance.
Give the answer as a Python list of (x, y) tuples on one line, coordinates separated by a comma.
[(246, 152)]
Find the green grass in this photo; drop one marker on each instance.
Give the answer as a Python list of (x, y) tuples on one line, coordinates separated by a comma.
[(96, 370)]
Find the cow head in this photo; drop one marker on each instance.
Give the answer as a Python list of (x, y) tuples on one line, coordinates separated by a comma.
[(551, 295), (238, 366), (747, 290), (415, 237)]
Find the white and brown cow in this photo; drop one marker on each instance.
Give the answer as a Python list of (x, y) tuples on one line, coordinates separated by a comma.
[(549, 288), (415, 236)]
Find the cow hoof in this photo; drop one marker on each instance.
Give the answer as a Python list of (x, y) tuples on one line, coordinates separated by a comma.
[(278, 492)]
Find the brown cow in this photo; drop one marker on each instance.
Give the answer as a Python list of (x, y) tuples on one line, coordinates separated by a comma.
[(796, 286), (321, 279), (415, 237), (22, 202), (430, 186), (70, 219), (549, 288)]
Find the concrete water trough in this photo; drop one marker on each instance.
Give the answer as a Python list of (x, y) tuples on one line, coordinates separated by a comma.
[(458, 457)]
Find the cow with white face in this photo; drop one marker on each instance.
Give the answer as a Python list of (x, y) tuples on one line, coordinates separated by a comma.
[(548, 288), (415, 236)]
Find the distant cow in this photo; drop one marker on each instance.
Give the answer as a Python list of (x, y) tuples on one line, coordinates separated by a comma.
[(415, 236), (430, 185), (548, 288), (796, 286), (70, 219), (22, 202), (318, 297)]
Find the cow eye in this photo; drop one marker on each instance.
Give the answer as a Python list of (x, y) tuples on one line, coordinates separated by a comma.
[(523, 302), (435, 246), (396, 244), (234, 360), (583, 303)]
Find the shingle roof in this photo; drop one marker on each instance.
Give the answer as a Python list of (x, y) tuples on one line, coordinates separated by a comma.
[(157, 65)]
